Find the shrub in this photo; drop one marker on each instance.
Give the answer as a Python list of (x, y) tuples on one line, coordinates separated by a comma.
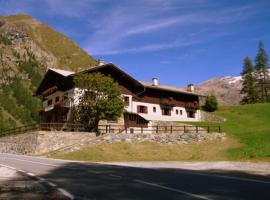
[(211, 104)]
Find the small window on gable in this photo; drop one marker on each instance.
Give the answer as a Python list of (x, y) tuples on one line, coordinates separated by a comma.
[(181, 112), (176, 111), (57, 99), (154, 109), (126, 100), (49, 102)]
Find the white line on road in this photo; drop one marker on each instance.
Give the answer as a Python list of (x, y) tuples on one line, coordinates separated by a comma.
[(51, 184), (66, 193), (63, 191), (116, 176), (8, 166), (172, 189)]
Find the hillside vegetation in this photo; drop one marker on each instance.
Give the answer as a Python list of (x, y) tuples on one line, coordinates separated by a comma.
[(250, 124), (27, 49)]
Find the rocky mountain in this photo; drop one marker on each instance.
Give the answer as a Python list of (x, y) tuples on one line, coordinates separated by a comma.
[(226, 89), (27, 48)]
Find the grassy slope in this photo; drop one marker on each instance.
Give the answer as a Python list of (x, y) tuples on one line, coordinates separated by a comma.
[(146, 151), (248, 124), (67, 52)]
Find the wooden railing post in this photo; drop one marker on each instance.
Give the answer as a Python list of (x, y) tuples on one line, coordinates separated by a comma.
[(157, 129), (208, 129), (197, 129), (219, 129), (171, 129), (184, 128)]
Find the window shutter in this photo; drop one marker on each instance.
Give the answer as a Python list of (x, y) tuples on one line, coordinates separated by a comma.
[(145, 109)]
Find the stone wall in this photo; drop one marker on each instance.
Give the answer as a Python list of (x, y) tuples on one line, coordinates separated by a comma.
[(208, 117), (42, 141), (19, 144)]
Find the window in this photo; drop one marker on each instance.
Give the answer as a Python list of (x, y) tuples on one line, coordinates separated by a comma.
[(49, 102), (57, 99), (181, 112), (176, 111), (142, 109), (166, 111), (190, 114), (154, 109), (126, 100)]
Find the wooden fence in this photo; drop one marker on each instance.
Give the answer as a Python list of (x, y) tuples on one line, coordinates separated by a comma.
[(103, 129)]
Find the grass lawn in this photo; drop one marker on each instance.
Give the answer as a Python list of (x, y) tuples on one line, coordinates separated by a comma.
[(146, 151), (250, 124), (247, 127)]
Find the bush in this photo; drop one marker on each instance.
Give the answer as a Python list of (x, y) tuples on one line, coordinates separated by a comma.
[(211, 104)]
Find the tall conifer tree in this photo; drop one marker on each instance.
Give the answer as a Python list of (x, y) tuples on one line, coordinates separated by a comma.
[(262, 74), (249, 90)]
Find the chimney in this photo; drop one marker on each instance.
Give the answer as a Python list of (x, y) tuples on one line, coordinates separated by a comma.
[(154, 82), (190, 88), (101, 62)]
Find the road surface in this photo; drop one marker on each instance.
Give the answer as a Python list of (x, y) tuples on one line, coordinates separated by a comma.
[(100, 181)]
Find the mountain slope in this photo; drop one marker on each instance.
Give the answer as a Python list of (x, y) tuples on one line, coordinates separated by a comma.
[(226, 89), (27, 48)]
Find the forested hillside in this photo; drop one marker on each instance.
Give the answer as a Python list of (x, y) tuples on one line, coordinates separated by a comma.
[(27, 49)]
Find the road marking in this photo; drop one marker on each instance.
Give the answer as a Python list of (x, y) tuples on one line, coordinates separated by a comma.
[(116, 176), (172, 189), (8, 166), (66, 193), (30, 174), (63, 191), (51, 184)]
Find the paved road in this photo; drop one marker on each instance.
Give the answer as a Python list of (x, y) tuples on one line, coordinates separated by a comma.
[(97, 181)]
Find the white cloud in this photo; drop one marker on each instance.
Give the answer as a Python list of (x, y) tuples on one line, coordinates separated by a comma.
[(123, 24)]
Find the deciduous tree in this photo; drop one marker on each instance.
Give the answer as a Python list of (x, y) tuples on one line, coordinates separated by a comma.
[(99, 99)]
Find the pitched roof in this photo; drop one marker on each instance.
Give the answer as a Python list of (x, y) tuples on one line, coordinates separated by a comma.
[(67, 73), (62, 72), (167, 88)]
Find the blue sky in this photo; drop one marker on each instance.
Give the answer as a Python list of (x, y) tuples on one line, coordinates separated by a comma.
[(178, 41)]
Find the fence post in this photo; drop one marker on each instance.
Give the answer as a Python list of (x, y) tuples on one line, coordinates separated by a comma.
[(106, 128), (109, 128), (197, 129), (208, 129), (157, 129), (171, 129), (219, 129), (184, 128)]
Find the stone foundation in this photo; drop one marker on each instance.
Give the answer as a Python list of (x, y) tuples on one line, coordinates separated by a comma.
[(42, 141)]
